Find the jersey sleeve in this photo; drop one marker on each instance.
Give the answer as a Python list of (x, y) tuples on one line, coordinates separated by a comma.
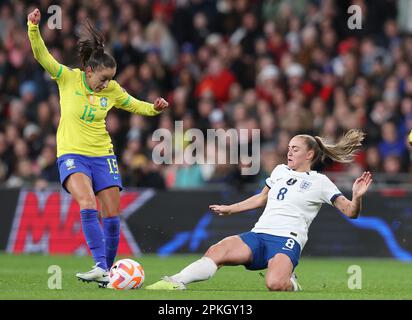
[(56, 70), (125, 101), (271, 180), (329, 191)]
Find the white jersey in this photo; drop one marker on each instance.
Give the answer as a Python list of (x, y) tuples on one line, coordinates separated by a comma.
[(294, 200)]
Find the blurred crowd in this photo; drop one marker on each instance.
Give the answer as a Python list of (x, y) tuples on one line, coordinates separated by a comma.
[(284, 67)]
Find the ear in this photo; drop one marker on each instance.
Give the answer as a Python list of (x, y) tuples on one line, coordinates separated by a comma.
[(88, 71), (310, 154)]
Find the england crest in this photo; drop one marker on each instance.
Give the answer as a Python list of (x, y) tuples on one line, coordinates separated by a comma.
[(305, 185)]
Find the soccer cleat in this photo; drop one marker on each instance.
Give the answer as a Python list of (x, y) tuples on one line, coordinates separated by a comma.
[(105, 286), (296, 285), (97, 274), (166, 283)]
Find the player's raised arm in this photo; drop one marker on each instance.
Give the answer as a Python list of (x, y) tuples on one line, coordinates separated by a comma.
[(40, 52), (254, 202), (129, 103), (352, 208)]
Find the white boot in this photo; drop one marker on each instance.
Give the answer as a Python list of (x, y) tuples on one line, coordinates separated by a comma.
[(296, 285), (97, 274)]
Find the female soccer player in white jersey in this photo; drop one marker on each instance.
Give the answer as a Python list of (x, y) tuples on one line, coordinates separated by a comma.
[(86, 161), (293, 196)]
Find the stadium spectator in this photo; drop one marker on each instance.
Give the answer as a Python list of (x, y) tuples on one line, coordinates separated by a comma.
[(391, 144), (290, 66), (189, 176)]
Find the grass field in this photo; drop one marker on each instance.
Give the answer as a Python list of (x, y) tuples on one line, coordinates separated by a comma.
[(26, 277)]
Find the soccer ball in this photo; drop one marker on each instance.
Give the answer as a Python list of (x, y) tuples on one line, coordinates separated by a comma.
[(126, 274)]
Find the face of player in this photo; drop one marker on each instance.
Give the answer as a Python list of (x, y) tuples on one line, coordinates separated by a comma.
[(299, 157), (99, 78)]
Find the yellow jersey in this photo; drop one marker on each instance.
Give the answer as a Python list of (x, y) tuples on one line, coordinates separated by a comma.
[(82, 126)]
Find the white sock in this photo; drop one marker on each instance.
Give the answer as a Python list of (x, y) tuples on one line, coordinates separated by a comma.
[(201, 269)]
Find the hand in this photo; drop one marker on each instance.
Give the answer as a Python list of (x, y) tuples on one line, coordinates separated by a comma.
[(410, 138), (160, 104), (34, 16), (220, 210), (362, 184)]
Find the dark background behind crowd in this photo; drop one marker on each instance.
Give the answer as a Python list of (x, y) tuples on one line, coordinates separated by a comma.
[(284, 67)]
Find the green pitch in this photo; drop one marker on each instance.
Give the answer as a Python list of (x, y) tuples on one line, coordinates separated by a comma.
[(26, 277)]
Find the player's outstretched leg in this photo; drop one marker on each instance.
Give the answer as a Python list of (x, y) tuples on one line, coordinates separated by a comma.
[(229, 251), (79, 185), (200, 270)]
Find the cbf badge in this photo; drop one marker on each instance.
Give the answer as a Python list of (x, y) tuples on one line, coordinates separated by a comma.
[(305, 185), (70, 164), (103, 102)]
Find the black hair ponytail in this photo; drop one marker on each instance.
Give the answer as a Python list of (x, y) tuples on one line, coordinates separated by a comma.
[(91, 48)]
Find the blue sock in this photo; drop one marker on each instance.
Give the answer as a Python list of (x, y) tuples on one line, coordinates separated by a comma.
[(93, 233), (111, 229)]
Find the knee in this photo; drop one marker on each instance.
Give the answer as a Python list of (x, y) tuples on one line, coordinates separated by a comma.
[(216, 252), (277, 284), (110, 211), (87, 202), (214, 249), (114, 211)]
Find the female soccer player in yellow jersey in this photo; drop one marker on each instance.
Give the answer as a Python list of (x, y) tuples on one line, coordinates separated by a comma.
[(86, 161)]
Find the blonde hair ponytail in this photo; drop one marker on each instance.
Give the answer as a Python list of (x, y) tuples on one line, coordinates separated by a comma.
[(343, 151)]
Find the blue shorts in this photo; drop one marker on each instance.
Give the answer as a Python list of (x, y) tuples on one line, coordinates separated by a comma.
[(103, 171), (266, 246)]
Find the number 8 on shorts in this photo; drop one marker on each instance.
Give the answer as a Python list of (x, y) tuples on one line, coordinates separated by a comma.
[(290, 243)]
